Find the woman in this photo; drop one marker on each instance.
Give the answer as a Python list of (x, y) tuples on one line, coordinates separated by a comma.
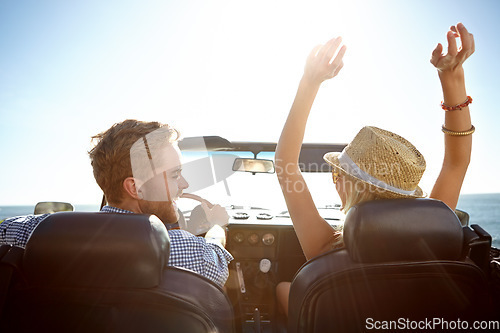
[(377, 163)]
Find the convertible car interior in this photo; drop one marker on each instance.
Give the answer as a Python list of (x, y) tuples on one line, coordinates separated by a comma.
[(102, 272), (402, 259)]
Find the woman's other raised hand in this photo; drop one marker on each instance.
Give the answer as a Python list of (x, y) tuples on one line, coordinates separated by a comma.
[(455, 57), (320, 66)]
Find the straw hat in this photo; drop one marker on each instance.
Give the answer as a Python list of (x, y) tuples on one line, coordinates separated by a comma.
[(384, 161)]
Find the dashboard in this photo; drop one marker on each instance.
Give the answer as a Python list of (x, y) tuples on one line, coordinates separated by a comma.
[(266, 251)]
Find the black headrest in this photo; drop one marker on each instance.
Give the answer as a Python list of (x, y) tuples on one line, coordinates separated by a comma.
[(402, 229), (78, 249)]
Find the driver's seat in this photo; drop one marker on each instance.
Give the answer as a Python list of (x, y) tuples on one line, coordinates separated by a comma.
[(403, 264), (101, 272)]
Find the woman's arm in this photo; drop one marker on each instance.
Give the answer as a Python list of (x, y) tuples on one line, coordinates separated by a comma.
[(457, 148), (314, 233)]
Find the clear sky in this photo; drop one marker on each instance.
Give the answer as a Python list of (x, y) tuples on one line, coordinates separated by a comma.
[(70, 69)]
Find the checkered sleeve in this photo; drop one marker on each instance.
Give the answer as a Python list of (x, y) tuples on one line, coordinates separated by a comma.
[(17, 230), (194, 253)]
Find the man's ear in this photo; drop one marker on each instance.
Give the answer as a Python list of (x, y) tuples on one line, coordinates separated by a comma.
[(129, 185)]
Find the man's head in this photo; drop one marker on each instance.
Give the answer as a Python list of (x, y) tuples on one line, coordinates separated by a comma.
[(137, 165)]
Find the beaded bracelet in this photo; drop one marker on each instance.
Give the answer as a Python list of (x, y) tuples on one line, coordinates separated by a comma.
[(455, 133), (457, 107)]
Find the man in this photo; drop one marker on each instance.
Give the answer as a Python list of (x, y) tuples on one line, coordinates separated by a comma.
[(137, 165)]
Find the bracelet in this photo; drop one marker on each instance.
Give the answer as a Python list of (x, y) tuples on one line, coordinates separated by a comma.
[(457, 107), (455, 133)]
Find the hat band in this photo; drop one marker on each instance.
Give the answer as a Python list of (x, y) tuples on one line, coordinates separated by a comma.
[(352, 168)]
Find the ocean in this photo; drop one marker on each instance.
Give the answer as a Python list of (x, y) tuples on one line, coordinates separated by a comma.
[(483, 209)]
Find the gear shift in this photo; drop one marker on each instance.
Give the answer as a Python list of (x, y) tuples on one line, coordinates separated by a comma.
[(265, 265)]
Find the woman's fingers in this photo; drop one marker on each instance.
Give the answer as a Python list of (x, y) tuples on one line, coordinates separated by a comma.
[(338, 59), (466, 38), (473, 44), (330, 48), (314, 52), (436, 54), (335, 64), (325, 52), (452, 43), (464, 34), (321, 64), (338, 68), (454, 57)]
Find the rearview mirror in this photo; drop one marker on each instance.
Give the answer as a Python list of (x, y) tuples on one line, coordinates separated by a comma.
[(253, 165), (52, 207)]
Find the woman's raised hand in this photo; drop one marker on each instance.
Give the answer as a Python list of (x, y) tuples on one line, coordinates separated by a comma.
[(320, 66), (455, 56)]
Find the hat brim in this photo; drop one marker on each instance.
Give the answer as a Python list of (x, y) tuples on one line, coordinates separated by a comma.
[(333, 160)]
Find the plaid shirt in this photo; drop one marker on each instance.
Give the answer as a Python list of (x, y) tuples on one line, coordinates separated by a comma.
[(186, 250)]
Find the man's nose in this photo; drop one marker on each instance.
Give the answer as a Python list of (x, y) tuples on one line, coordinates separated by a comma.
[(183, 184)]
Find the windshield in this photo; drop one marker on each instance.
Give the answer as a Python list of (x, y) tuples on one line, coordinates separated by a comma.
[(211, 176)]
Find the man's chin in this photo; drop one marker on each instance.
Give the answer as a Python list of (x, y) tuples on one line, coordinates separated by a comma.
[(166, 211), (170, 217)]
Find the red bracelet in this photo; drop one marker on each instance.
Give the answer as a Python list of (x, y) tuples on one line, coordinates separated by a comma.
[(457, 107)]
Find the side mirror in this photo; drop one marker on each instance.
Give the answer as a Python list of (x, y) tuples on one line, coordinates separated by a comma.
[(52, 207), (253, 165)]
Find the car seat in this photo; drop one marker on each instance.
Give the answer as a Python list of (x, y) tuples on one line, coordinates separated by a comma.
[(103, 272), (404, 263)]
